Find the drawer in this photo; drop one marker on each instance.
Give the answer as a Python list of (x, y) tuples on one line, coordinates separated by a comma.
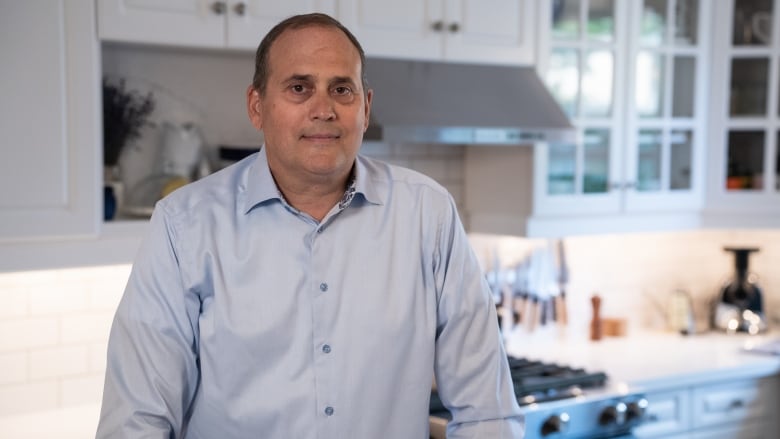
[(667, 413), (733, 402)]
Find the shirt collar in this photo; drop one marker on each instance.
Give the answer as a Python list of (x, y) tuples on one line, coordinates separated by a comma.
[(261, 186)]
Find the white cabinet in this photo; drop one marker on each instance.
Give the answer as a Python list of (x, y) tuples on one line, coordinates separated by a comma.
[(50, 83), (198, 23), (492, 31), (740, 409), (668, 413), (632, 76), (744, 408), (744, 165)]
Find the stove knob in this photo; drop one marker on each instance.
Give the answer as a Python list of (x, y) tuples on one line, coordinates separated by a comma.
[(613, 415), (556, 424), (635, 410)]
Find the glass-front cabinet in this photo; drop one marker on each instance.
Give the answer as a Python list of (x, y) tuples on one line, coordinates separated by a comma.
[(745, 124), (632, 76)]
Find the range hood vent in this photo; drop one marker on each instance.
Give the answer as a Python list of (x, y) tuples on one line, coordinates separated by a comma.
[(434, 102)]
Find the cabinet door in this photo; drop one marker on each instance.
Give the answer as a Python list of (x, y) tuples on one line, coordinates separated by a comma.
[(734, 403), (250, 20), (195, 23), (49, 163), (667, 78), (582, 66), (492, 31), (411, 29), (667, 413), (745, 123)]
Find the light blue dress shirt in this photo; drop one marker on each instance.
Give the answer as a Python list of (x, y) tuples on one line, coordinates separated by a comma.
[(245, 318)]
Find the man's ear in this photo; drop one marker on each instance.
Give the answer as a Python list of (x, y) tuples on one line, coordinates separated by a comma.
[(254, 107), (369, 97)]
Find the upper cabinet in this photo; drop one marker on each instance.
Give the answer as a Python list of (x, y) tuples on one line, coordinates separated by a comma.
[(633, 77), (476, 31), (494, 31), (198, 23), (744, 162), (50, 82)]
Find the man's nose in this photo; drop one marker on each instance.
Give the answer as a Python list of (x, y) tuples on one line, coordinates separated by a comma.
[(322, 106)]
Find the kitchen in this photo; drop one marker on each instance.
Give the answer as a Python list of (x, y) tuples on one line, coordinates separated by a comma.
[(53, 333)]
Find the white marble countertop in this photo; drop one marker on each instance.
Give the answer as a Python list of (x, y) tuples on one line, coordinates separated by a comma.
[(649, 361)]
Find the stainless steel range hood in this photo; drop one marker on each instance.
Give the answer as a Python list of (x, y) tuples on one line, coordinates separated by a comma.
[(434, 102)]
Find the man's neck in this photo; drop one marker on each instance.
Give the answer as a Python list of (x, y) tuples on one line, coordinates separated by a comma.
[(315, 198)]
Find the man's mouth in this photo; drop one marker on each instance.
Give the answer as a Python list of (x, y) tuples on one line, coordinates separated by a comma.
[(321, 136)]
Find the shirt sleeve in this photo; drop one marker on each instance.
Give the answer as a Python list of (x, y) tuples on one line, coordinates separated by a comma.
[(152, 370), (471, 368)]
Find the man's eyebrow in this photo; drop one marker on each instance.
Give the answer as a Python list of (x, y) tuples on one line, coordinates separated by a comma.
[(342, 79), (299, 77)]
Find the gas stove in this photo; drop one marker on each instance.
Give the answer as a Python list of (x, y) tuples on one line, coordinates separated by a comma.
[(559, 401)]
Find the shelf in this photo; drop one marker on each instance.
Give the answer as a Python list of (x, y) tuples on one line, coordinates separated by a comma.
[(117, 243)]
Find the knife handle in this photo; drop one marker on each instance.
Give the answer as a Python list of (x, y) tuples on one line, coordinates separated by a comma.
[(533, 314)]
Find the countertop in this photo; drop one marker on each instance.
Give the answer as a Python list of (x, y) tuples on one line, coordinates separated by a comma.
[(656, 360)]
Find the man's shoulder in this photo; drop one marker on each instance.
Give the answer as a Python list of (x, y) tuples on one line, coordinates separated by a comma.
[(383, 171), (214, 191)]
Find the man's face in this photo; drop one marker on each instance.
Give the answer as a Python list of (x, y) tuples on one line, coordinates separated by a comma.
[(314, 109)]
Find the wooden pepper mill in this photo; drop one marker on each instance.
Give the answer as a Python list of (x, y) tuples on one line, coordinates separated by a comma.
[(595, 323)]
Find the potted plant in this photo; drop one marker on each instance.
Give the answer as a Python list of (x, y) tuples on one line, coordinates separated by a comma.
[(125, 112)]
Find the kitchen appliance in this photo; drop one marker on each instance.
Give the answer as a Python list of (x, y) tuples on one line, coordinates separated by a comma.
[(560, 401), (456, 103), (739, 306)]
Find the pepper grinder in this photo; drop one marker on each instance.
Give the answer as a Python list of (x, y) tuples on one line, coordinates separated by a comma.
[(595, 323)]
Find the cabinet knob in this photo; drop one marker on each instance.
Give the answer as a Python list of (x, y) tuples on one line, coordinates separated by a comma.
[(437, 25), (218, 7), (454, 27), (240, 8)]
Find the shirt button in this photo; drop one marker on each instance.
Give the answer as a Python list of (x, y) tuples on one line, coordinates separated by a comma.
[(326, 349), (323, 287), (328, 411)]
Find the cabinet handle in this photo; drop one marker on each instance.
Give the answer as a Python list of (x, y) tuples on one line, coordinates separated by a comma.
[(218, 7), (736, 404), (454, 27), (437, 26), (240, 8)]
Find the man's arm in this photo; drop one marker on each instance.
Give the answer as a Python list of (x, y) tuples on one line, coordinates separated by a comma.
[(152, 373), (472, 374)]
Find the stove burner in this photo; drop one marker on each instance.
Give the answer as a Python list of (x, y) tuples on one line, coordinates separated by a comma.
[(536, 382)]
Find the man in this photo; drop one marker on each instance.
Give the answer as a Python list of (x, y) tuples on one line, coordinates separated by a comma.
[(306, 292)]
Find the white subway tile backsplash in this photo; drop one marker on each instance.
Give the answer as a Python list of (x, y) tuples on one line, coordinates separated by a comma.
[(36, 332), (83, 328), (59, 362), (82, 390), (27, 397), (14, 300), (64, 297), (14, 368), (97, 356)]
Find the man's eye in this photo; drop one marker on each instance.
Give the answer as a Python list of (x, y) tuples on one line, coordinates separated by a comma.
[(298, 88), (342, 90)]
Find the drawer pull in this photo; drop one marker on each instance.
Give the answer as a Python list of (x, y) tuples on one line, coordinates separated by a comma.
[(736, 404)]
